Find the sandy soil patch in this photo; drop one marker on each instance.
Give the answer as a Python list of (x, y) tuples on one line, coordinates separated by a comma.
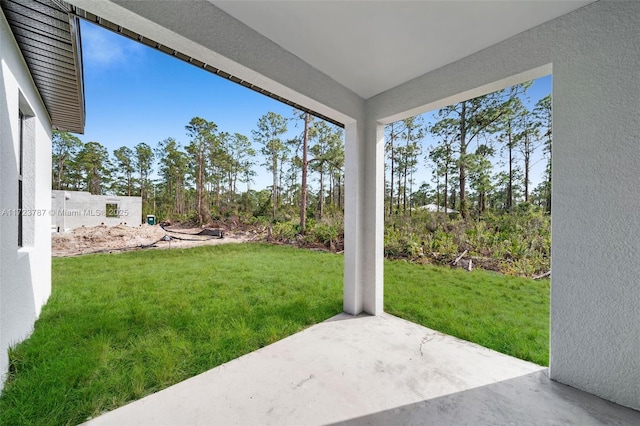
[(119, 238)]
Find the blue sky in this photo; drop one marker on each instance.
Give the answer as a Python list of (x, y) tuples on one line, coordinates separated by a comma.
[(137, 94)]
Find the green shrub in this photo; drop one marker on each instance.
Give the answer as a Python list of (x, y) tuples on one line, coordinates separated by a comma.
[(325, 234), (285, 231), (520, 241)]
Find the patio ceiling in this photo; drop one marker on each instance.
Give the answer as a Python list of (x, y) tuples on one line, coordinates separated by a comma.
[(324, 57), (49, 39), (370, 46)]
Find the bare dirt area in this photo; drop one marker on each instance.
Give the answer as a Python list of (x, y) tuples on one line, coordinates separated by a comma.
[(113, 239)]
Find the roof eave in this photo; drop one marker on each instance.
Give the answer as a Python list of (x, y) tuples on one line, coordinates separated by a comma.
[(49, 38)]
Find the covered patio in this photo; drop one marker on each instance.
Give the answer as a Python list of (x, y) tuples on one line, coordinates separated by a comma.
[(371, 370), (367, 64)]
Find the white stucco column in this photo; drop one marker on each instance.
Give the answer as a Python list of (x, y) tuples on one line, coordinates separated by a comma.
[(364, 217), (352, 291)]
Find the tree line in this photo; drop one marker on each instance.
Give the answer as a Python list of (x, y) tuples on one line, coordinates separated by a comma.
[(482, 156), (480, 153), (202, 179)]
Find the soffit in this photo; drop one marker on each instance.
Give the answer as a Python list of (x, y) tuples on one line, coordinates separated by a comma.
[(49, 39)]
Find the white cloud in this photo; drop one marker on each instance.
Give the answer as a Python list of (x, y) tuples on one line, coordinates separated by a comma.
[(103, 48)]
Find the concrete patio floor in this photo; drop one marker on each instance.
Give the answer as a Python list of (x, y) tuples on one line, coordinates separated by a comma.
[(371, 371)]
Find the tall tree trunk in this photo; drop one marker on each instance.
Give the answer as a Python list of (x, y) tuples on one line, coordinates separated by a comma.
[(274, 191), (453, 198), (510, 188), (404, 189), (175, 209), (548, 195), (399, 190), (218, 191), (331, 194), (198, 190), (410, 192), (463, 153), (446, 188), (437, 191), (340, 201), (303, 184), (234, 186), (392, 171), (321, 195), (60, 168), (279, 197), (526, 177), (142, 178)]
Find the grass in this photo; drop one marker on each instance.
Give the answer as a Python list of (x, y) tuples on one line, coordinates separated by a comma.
[(119, 327), (504, 313)]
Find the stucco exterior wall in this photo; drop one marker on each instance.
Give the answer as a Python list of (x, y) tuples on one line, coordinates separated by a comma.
[(25, 272), (594, 54), (74, 209)]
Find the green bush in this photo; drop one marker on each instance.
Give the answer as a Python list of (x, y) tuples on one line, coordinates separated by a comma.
[(325, 234), (520, 242), (517, 244), (285, 231)]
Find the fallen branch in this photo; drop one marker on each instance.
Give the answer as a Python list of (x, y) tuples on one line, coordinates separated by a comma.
[(545, 275), (455, 262)]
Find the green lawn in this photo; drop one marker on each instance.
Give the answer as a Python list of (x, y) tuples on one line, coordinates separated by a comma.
[(119, 327), (507, 314)]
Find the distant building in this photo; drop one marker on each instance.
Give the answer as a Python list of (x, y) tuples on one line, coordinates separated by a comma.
[(74, 209), (436, 208)]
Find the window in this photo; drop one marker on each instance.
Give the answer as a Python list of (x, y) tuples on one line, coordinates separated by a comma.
[(20, 178), (25, 201), (112, 210)]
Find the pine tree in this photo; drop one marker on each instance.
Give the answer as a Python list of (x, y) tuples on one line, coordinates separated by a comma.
[(270, 127)]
